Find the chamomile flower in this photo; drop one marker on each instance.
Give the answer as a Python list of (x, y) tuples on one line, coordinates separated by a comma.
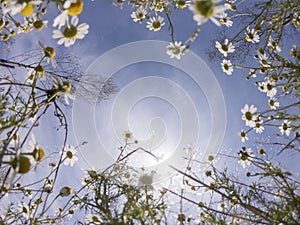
[(269, 87), (34, 148), (181, 4), (224, 20), (243, 136), (69, 156), (252, 36), (139, 15), (207, 9), (225, 48), (24, 210), (273, 103), (285, 127), (249, 115), (155, 23), (71, 32), (258, 126), (64, 87), (263, 60), (274, 45), (245, 155), (176, 49), (227, 66), (93, 219)]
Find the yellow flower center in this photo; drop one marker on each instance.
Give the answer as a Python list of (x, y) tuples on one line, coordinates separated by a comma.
[(50, 52), (75, 8), (28, 9), (67, 86), (38, 25), (205, 8), (21, 164), (181, 4)]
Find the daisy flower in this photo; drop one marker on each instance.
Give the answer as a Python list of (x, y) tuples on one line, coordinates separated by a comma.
[(24, 210), (35, 149), (258, 127), (64, 87), (252, 36), (244, 157), (225, 48), (263, 60), (93, 219), (207, 9), (273, 103), (274, 45), (227, 66), (285, 127), (243, 136), (155, 23), (139, 15), (69, 155), (181, 4), (248, 115), (65, 191), (224, 20), (176, 49), (71, 32)]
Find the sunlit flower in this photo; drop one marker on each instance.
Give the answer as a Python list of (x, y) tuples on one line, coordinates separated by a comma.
[(207, 9), (65, 191), (225, 48), (69, 156), (155, 23), (263, 60), (64, 87), (252, 36), (61, 19), (268, 87), (227, 66), (71, 32), (245, 155), (139, 14), (243, 136), (273, 103), (93, 219), (248, 115), (224, 20), (181, 4), (33, 147), (258, 126), (285, 127), (176, 49), (274, 45), (24, 210)]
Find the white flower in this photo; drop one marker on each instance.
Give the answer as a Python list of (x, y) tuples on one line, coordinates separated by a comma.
[(207, 9), (273, 103), (61, 19), (69, 155), (268, 87), (227, 66), (274, 45), (252, 36), (224, 20), (71, 32), (244, 157), (181, 4), (64, 87), (243, 136), (24, 210), (258, 126), (155, 23), (225, 48), (93, 219), (176, 49), (248, 115), (263, 60), (158, 6), (139, 14), (285, 127)]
